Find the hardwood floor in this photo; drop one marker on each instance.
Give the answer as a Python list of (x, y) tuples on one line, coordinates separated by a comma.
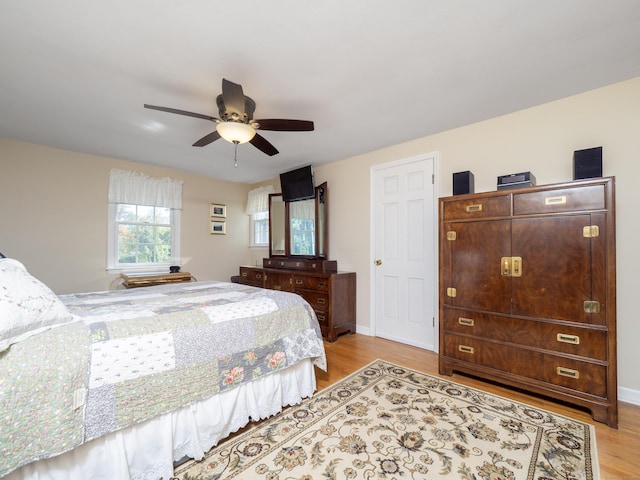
[(618, 449)]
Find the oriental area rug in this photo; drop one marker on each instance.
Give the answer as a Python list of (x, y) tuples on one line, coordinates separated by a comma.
[(387, 422)]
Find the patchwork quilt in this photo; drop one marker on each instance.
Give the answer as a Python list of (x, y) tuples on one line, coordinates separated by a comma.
[(135, 354)]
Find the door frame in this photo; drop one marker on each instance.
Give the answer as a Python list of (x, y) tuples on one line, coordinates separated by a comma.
[(436, 195)]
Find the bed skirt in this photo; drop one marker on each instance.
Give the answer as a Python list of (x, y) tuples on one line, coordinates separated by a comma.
[(147, 451)]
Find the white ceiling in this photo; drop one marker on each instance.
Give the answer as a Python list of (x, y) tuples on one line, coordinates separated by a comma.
[(74, 74)]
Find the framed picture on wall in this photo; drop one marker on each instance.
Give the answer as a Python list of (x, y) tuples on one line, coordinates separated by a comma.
[(218, 210), (218, 227)]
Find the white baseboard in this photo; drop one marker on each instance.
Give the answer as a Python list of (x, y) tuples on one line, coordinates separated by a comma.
[(363, 330), (627, 395)]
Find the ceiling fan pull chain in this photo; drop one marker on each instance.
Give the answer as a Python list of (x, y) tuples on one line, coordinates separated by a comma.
[(235, 153)]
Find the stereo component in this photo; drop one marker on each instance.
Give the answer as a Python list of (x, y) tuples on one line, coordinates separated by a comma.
[(463, 182), (587, 163), (515, 180)]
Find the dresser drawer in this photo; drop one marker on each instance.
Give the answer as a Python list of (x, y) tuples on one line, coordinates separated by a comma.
[(279, 281), (318, 300), (302, 264), (584, 342), (252, 276), (497, 206), (552, 369), (559, 200), (323, 318), (311, 282)]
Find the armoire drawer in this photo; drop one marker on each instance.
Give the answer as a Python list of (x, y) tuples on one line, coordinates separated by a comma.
[(552, 369), (584, 342), (497, 206), (559, 200)]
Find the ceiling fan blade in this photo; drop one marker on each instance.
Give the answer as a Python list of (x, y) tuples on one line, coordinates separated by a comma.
[(182, 112), (284, 125), (233, 97), (261, 143), (207, 139)]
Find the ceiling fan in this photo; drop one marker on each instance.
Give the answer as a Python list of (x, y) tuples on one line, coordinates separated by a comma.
[(236, 123)]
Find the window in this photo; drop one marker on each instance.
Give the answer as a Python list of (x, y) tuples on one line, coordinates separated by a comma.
[(258, 209), (144, 234), (144, 226), (260, 229), (143, 238)]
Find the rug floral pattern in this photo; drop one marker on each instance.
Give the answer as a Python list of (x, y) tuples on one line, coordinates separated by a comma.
[(388, 422)]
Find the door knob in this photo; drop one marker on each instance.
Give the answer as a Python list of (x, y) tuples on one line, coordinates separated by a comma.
[(378, 262)]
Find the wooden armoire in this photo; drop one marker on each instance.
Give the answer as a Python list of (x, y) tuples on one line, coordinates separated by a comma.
[(527, 287)]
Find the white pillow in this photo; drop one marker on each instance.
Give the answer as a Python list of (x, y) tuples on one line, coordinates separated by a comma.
[(27, 306)]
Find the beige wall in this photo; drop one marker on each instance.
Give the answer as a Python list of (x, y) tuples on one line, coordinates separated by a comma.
[(541, 140), (53, 217), (53, 202)]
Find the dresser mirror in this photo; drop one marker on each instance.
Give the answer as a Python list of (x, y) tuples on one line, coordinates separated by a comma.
[(276, 225), (299, 229)]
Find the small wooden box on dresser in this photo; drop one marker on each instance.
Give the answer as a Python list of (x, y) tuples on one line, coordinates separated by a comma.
[(527, 290), (331, 294)]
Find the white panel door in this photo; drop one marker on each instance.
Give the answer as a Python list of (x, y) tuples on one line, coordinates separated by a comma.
[(404, 252)]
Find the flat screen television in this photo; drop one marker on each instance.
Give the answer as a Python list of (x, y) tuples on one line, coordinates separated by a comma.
[(297, 184)]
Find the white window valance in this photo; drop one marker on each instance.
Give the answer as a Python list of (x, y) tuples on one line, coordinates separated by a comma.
[(139, 189), (303, 210), (258, 199)]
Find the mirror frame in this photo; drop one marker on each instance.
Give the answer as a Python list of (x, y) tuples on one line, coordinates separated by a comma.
[(321, 234)]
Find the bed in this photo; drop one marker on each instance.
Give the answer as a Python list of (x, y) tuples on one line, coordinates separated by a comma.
[(123, 383)]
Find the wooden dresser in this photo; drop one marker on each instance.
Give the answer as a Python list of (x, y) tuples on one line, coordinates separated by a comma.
[(528, 291), (332, 294)]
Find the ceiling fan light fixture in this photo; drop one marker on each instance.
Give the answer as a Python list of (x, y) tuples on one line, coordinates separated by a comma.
[(236, 132)]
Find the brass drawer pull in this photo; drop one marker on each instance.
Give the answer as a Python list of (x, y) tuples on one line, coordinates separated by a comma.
[(506, 266), (321, 318), (244, 274), (572, 339), (322, 284), (568, 372), (560, 200), (298, 281), (451, 292), (467, 322), (466, 349), (516, 266), (258, 275), (277, 287), (321, 301), (474, 208), (592, 306), (511, 266)]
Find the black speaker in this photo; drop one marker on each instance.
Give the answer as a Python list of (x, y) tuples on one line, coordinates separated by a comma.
[(463, 183), (587, 163)]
